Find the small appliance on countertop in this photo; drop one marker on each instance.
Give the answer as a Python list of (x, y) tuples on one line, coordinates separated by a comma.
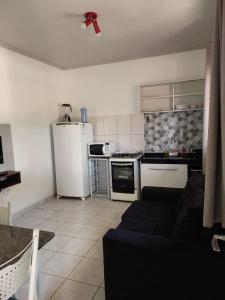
[(102, 149), (125, 176), (83, 115), (67, 110)]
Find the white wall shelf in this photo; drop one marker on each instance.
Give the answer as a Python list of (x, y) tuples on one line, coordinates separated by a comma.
[(165, 97)]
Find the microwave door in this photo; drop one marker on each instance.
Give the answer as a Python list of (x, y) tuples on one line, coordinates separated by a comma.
[(96, 149)]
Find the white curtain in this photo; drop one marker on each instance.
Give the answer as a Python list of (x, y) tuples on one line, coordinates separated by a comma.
[(214, 204), (206, 102)]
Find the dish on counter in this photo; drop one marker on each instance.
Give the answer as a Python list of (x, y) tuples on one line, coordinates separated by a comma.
[(193, 106), (173, 154), (181, 106)]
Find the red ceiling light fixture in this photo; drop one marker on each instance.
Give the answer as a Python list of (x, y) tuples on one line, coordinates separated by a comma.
[(91, 18)]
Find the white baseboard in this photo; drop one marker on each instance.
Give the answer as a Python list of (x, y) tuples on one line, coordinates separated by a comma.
[(32, 206)]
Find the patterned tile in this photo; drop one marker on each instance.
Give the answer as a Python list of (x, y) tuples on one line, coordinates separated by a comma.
[(185, 127)]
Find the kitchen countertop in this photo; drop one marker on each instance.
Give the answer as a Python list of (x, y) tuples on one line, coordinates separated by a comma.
[(160, 158), (14, 239)]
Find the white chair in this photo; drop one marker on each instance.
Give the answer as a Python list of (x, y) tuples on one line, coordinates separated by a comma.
[(5, 215), (14, 274)]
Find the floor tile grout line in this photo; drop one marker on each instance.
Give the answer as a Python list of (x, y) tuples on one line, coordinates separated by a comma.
[(114, 217), (63, 252), (57, 288), (95, 294), (68, 278), (41, 266), (93, 285), (73, 281)]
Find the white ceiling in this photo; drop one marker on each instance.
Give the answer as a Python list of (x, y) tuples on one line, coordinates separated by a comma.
[(49, 30)]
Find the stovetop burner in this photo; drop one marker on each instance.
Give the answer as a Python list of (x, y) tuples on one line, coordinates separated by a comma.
[(127, 155)]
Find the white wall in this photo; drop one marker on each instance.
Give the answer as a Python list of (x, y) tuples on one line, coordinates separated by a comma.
[(29, 94), (7, 148), (113, 89)]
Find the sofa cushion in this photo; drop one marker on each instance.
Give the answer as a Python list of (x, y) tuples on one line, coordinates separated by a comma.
[(193, 195), (154, 212), (166, 218), (138, 226), (189, 214), (184, 202), (190, 226), (197, 179), (160, 194), (146, 227), (165, 230)]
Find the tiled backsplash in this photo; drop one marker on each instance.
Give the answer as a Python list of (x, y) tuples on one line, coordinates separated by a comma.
[(139, 132), (184, 126), (126, 130)]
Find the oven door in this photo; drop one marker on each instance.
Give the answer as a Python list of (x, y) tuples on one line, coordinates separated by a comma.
[(122, 175)]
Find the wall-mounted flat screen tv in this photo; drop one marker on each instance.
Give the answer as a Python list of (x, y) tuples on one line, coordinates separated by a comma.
[(1, 152)]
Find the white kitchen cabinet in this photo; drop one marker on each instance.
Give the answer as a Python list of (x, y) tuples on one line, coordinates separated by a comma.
[(172, 96), (164, 175), (176, 176), (151, 175)]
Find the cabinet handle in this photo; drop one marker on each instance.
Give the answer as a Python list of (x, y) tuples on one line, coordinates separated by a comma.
[(122, 164), (171, 169)]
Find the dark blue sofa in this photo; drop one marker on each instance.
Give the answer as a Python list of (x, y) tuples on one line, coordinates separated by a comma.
[(160, 250)]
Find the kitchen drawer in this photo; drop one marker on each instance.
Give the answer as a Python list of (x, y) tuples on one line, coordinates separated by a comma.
[(152, 175), (164, 175), (175, 176)]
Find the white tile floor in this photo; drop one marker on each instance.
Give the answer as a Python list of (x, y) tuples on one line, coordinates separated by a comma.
[(72, 263)]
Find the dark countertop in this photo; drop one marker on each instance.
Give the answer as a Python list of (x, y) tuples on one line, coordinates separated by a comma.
[(14, 239), (160, 158)]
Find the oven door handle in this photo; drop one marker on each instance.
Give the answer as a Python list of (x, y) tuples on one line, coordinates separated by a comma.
[(122, 164), (155, 169)]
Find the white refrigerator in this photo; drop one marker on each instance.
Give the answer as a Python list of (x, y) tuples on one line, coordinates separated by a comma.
[(71, 158)]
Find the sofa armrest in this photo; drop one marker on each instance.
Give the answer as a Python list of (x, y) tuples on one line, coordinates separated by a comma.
[(142, 266), (160, 193), (155, 244)]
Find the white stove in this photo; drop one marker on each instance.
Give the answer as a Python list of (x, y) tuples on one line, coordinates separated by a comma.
[(125, 176), (126, 156)]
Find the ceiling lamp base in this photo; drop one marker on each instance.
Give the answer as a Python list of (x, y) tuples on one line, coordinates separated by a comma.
[(91, 18)]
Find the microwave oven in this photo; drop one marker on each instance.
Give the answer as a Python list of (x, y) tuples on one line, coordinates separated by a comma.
[(102, 149)]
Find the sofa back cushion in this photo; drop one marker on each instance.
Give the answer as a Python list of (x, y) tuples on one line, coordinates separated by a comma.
[(190, 210), (197, 180)]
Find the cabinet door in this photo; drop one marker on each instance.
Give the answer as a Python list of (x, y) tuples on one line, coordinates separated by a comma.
[(157, 104), (152, 175), (175, 176), (156, 90), (189, 87), (164, 175)]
